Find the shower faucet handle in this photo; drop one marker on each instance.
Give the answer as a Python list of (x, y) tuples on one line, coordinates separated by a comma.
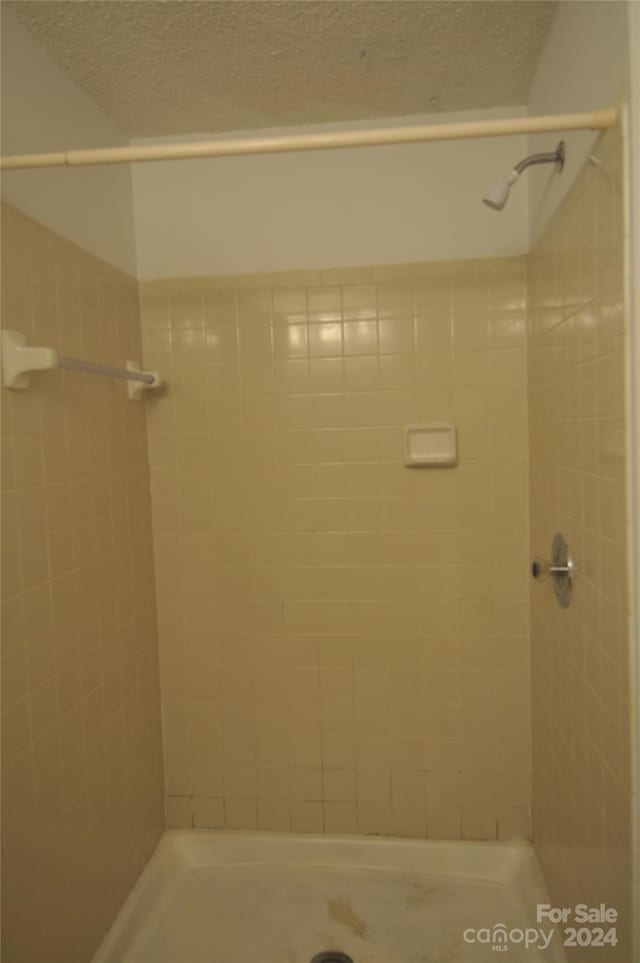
[(541, 567), (561, 568)]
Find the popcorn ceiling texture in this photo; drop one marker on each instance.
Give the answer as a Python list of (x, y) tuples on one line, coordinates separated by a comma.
[(177, 67)]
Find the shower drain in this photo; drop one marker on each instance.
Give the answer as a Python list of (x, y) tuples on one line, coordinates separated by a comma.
[(331, 956)]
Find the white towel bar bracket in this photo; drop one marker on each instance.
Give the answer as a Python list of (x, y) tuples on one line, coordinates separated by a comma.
[(19, 360)]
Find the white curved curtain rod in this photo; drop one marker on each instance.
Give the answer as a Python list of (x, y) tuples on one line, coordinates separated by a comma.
[(373, 137)]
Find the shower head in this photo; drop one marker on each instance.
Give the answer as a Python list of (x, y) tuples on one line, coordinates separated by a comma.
[(498, 195)]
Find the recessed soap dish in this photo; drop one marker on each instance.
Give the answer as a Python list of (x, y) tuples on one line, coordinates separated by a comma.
[(430, 445)]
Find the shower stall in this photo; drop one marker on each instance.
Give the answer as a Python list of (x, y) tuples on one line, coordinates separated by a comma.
[(278, 683)]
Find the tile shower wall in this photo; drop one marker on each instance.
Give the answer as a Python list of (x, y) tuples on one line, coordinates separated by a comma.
[(81, 747), (580, 659), (343, 639)]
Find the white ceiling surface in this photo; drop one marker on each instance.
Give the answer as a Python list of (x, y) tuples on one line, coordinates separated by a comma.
[(173, 67)]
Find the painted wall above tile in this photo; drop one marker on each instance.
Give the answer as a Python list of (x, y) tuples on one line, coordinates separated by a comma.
[(42, 111), (333, 208)]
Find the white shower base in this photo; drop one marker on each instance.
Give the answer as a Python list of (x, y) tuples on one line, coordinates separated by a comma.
[(209, 897)]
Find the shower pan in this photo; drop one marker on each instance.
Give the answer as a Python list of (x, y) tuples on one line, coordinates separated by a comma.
[(269, 898)]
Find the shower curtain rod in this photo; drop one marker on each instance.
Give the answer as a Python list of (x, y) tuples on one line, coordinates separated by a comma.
[(373, 137)]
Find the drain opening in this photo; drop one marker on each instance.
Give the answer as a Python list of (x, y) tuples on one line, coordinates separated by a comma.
[(331, 956)]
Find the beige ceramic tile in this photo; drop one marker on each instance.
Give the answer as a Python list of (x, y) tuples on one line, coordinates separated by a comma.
[(290, 536), (580, 661), (80, 723), (321, 541)]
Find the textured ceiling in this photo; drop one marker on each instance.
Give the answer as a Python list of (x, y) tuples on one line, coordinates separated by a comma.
[(161, 67)]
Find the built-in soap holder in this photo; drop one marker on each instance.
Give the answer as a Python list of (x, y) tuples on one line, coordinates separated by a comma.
[(430, 445)]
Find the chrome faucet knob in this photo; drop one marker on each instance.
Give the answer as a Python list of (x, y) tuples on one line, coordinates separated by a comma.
[(561, 568)]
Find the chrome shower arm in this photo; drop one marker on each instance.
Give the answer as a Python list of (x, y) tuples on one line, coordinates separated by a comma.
[(551, 157), (497, 196)]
